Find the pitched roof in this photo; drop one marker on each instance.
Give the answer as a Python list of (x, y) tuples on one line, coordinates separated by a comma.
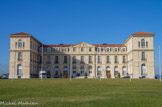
[(139, 33), (57, 45), (21, 33), (109, 45), (97, 45)]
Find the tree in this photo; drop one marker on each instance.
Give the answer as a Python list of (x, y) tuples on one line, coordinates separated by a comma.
[(119, 75), (85, 74)]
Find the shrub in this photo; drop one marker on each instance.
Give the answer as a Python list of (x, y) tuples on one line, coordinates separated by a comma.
[(60, 75), (119, 75), (65, 75), (85, 74), (109, 75)]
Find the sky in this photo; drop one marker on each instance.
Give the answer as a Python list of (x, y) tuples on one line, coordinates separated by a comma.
[(73, 21)]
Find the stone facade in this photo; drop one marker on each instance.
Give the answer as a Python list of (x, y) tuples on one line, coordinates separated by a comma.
[(134, 58)]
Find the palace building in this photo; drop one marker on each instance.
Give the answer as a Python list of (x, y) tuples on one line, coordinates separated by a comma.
[(135, 57)]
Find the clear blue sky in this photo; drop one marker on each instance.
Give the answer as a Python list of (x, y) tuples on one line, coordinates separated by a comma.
[(73, 21)]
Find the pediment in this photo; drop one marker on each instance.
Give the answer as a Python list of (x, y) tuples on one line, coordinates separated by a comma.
[(83, 44)]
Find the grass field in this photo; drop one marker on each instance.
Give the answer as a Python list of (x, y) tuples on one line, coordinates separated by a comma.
[(83, 92)]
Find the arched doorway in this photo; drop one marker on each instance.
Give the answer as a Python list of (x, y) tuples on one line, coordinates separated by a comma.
[(82, 70), (74, 71), (143, 70), (99, 71), (19, 70), (124, 71), (116, 71), (108, 74), (48, 69), (56, 73), (90, 70)]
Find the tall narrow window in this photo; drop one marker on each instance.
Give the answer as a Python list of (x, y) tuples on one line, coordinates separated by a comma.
[(65, 59), (90, 49), (48, 59), (74, 71), (116, 59), (124, 59), (74, 59), (16, 44), (82, 70), (19, 70), (143, 55), (143, 43), (19, 56), (23, 44), (108, 59), (99, 71), (147, 44), (82, 59), (99, 59), (90, 59), (56, 59), (138, 44), (107, 49), (20, 43)]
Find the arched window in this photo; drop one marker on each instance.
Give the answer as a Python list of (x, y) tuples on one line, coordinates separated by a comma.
[(143, 70), (19, 56), (19, 70), (142, 42), (107, 68), (116, 71), (74, 71), (98, 71), (82, 70), (56, 70), (20, 43), (90, 70), (124, 71)]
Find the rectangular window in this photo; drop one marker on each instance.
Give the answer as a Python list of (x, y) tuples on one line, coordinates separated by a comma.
[(74, 59), (99, 59), (96, 49), (16, 44), (56, 59), (48, 59), (101, 49), (138, 44), (124, 59), (90, 49), (115, 49), (108, 60), (74, 49), (65, 59), (40, 59), (82, 49), (82, 59), (90, 59), (146, 44), (49, 50), (107, 49), (143, 55), (116, 59)]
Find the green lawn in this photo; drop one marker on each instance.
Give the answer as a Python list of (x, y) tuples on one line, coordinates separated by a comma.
[(83, 92)]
